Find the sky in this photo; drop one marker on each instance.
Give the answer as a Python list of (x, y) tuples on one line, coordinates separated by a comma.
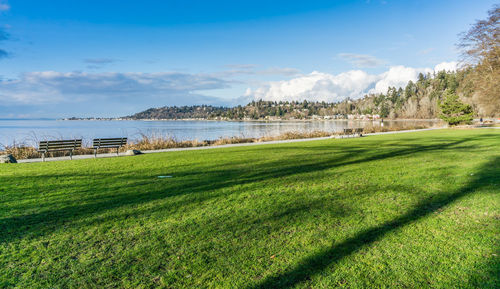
[(112, 58)]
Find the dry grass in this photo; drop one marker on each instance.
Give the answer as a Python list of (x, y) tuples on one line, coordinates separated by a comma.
[(156, 142), (20, 151), (297, 135)]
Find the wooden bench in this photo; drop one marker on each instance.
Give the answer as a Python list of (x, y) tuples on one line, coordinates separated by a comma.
[(45, 147), (106, 143), (347, 131), (353, 132)]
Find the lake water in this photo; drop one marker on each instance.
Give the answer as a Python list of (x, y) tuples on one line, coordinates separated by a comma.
[(31, 131)]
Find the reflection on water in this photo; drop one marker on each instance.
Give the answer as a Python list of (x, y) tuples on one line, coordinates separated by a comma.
[(30, 131)]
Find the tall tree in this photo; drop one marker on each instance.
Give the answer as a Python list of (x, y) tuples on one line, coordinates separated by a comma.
[(481, 55)]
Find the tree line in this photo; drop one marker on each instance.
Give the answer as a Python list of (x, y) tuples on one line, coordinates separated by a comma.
[(418, 100)]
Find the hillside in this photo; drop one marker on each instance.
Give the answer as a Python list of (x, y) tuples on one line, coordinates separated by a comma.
[(418, 100)]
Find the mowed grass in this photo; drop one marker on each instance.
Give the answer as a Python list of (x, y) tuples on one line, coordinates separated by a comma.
[(406, 210)]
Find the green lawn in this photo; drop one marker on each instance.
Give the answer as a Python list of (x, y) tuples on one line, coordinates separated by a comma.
[(407, 210)]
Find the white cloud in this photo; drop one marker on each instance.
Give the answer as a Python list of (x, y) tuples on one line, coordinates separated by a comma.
[(361, 60), (318, 86), (72, 87), (447, 66), (397, 76)]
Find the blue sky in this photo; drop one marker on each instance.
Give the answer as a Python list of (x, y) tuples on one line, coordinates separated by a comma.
[(113, 58)]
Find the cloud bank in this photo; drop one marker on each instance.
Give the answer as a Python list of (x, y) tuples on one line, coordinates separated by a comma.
[(318, 86), (106, 93), (60, 94)]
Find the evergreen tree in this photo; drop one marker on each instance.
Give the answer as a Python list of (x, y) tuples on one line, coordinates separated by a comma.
[(453, 111)]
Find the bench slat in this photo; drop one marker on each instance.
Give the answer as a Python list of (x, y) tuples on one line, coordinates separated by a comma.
[(105, 139), (58, 145), (109, 144), (61, 147), (61, 141), (62, 144), (110, 140)]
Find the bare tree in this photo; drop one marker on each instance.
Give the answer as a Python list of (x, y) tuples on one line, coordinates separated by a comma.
[(481, 57)]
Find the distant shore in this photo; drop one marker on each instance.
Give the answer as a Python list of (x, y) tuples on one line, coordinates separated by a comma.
[(250, 120)]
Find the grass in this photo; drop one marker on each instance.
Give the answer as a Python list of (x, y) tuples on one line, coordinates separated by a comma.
[(407, 210)]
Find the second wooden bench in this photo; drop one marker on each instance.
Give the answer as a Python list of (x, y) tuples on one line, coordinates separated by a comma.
[(106, 143)]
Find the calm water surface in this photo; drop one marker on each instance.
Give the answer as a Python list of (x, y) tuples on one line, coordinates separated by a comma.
[(31, 131)]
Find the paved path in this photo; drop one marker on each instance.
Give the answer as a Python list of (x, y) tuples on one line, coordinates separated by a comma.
[(110, 155)]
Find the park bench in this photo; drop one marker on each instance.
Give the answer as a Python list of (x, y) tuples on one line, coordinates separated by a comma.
[(106, 143), (353, 131), (347, 131), (45, 147)]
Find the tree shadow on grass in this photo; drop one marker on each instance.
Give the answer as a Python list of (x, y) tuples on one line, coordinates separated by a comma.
[(488, 174), (140, 191)]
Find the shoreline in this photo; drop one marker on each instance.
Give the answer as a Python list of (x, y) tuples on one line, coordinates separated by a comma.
[(29, 151), (231, 145), (123, 154), (259, 120)]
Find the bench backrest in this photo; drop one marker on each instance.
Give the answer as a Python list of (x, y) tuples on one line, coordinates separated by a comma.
[(359, 130), (347, 130), (56, 145), (109, 142)]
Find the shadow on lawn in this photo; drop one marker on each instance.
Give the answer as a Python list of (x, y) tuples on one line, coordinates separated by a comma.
[(488, 174), (197, 187)]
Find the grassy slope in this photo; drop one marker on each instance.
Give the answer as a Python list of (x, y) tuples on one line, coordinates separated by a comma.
[(407, 210)]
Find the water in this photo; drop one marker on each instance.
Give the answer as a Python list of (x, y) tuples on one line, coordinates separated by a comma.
[(31, 131)]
